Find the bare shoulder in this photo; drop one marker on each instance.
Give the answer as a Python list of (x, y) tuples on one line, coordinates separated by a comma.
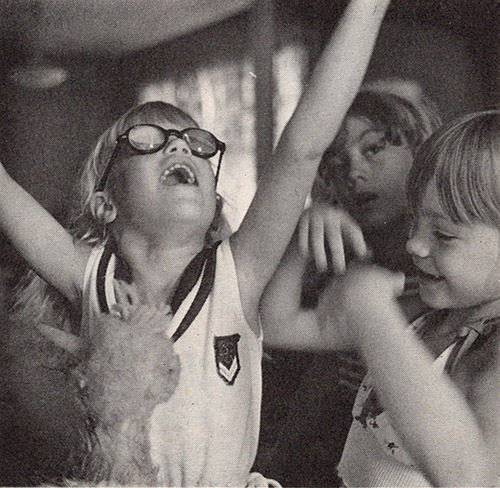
[(483, 355), (478, 375)]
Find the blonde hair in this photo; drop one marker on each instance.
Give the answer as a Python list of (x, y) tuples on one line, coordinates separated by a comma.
[(399, 108), (84, 225), (35, 300), (463, 160)]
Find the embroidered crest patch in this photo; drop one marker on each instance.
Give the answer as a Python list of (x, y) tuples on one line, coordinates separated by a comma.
[(227, 360)]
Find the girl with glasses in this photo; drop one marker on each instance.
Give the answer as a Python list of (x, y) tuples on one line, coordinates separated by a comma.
[(144, 239)]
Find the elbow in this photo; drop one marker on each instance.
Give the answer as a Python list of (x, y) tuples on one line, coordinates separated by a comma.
[(303, 149)]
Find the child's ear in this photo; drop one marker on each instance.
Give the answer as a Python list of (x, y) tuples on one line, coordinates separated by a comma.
[(103, 208)]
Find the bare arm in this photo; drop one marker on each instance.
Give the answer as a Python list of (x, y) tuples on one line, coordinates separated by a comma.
[(289, 326), (269, 224), (438, 426), (40, 239), (286, 324)]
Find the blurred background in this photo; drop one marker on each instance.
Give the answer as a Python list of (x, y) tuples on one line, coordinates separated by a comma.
[(68, 68)]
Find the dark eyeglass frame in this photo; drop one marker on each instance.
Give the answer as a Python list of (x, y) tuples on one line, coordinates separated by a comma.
[(181, 134)]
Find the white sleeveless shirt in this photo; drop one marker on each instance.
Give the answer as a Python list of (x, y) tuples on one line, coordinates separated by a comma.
[(207, 432)]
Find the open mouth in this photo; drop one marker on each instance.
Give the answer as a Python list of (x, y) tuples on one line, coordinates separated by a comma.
[(424, 277), (364, 198), (178, 174)]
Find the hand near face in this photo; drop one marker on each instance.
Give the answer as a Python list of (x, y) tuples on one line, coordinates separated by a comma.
[(326, 232), (371, 283), (347, 305)]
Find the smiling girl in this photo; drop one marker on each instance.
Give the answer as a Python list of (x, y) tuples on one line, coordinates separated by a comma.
[(426, 415)]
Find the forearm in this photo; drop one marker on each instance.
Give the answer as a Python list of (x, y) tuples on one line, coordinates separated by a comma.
[(285, 324), (335, 80), (331, 319), (427, 410), (39, 238), (334, 83), (281, 194)]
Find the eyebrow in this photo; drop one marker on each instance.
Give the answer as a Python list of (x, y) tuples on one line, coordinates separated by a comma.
[(368, 132), (435, 214)]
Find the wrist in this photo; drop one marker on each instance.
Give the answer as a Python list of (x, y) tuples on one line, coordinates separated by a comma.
[(373, 8), (370, 321)]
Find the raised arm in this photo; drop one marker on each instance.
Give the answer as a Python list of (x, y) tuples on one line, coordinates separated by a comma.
[(285, 323), (271, 219), (430, 413), (40, 239)]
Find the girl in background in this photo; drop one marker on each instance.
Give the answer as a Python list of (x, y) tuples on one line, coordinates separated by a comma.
[(358, 204), (434, 386), (426, 414)]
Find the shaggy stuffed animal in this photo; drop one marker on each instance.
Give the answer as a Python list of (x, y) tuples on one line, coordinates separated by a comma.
[(130, 368), (122, 373)]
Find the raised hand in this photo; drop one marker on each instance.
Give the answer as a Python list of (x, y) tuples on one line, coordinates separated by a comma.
[(323, 224), (348, 302)]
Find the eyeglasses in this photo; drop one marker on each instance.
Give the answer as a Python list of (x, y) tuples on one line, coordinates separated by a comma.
[(150, 138)]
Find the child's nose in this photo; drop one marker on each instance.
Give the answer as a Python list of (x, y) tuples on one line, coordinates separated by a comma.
[(176, 144), (358, 167), (417, 246)]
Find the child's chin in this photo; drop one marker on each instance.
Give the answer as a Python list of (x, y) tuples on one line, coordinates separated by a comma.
[(433, 301)]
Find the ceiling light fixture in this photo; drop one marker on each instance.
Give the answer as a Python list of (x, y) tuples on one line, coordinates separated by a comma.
[(36, 72)]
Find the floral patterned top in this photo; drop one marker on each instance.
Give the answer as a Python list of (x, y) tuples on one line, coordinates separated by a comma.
[(369, 413)]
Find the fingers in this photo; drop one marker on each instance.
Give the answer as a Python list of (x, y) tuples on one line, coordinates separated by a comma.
[(120, 311), (336, 244), (318, 222), (143, 316), (353, 236), (363, 280), (127, 299), (326, 232), (147, 315), (303, 231), (126, 293)]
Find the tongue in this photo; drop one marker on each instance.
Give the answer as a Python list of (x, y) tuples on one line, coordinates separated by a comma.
[(171, 180), (175, 178)]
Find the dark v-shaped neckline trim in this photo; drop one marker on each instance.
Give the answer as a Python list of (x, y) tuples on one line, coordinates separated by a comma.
[(204, 262)]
